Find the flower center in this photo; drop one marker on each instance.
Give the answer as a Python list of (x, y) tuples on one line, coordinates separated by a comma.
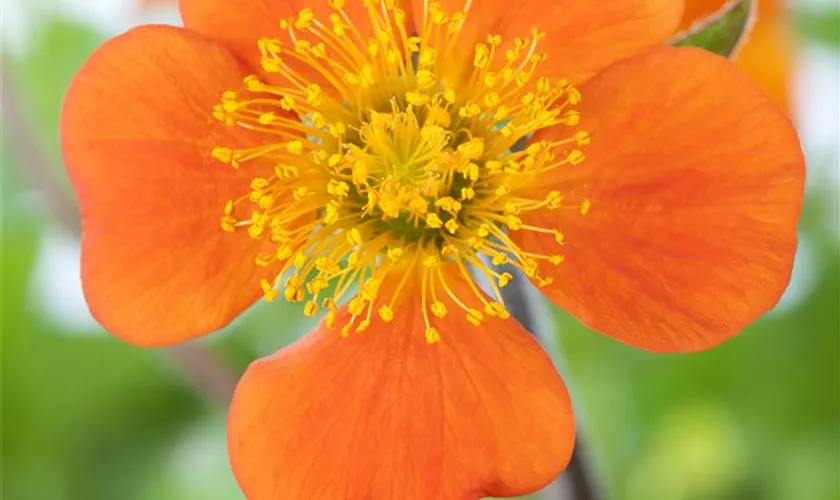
[(408, 163)]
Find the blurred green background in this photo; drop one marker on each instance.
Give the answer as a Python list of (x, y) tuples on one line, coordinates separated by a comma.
[(86, 417)]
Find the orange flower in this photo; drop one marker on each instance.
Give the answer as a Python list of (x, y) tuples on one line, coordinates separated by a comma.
[(767, 56), (360, 158)]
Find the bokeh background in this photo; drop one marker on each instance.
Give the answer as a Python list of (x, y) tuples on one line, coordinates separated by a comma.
[(86, 417)]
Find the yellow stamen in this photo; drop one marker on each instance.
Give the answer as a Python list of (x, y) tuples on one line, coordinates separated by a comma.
[(407, 166)]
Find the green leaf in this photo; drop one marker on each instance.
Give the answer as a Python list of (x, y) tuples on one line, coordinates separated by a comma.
[(723, 32), (820, 25)]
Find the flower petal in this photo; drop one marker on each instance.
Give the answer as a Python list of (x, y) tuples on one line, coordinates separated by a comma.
[(136, 135), (696, 182), (241, 25), (769, 52), (698, 10), (384, 414), (582, 37)]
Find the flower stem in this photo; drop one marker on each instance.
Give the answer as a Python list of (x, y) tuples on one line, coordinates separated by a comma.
[(213, 378), (526, 304), (578, 475)]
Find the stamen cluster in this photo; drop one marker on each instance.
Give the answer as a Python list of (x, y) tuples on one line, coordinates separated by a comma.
[(407, 163)]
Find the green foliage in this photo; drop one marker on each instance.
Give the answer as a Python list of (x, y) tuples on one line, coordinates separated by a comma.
[(723, 32), (821, 26), (57, 51)]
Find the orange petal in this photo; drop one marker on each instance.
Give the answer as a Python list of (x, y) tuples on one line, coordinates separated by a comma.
[(696, 181), (240, 25), (582, 37), (696, 10), (384, 415), (768, 56), (769, 52), (136, 136)]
